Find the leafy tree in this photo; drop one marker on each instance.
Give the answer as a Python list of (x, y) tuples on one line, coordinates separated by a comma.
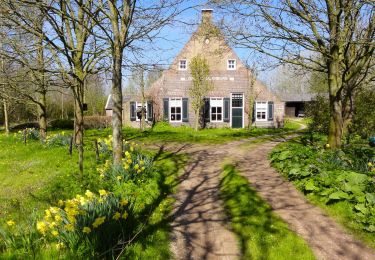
[(201, 85)]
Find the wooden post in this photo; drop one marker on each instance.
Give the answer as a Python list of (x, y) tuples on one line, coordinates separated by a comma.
[(71, 146), (96, 150), (24, 135)]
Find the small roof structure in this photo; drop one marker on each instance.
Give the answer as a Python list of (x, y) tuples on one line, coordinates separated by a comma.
[(109, 104), (297, 97)]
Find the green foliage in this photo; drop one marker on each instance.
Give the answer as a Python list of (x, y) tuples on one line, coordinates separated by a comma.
[(262, 234), (363, 122), (59, 139), (318, 111), (132, 203), (332, 176), (63, 124)]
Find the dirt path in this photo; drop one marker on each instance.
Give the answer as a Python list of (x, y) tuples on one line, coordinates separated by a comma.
[(327, 239), (200, 229)]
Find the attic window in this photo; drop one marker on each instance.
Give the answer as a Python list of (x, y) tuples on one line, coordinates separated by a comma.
[(182, 65), (231, 65)]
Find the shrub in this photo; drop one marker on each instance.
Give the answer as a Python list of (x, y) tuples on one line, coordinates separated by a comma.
[(332, 175), (58, 140), (97, 122), (25, 126), (63, 124), (318, 111)]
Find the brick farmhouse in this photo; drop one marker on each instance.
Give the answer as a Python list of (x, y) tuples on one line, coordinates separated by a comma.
[(226, 105)]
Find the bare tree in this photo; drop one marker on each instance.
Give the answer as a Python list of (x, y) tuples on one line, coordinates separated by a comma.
[(335, 37), (127, 23), (67, 32)]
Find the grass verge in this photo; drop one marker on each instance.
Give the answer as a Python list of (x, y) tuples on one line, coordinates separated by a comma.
[(261, 234)]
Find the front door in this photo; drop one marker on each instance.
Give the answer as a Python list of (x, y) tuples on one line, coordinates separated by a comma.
[(237, 110)]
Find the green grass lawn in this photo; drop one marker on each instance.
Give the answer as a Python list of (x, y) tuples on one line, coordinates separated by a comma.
[(163, 132), (261, 234), (34, 177)]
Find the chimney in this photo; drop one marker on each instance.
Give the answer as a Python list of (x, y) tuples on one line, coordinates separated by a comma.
[(207, 15)]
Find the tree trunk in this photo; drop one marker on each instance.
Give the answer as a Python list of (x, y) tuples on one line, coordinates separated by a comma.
[(42, 116), (78, 132), (117, 106), (6, 118), (335, 130), (197, 120)]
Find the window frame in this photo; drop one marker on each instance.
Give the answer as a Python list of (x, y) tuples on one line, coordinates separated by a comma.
[(234, 64), (170, 110), (179, 64), (261, 110), (222, 109), (136, 108)]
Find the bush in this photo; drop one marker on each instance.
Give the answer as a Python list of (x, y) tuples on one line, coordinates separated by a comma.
[(318, 111), (25, 125), (63, 124), (96, 122), (333, 176), (58, 140)]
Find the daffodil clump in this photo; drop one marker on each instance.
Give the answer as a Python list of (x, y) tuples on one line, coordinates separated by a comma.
[(31, 134), (105, 145), (371, 166), (59, 139), (80, 217), (135, 166)]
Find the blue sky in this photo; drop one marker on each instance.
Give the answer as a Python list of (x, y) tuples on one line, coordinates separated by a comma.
[(172, 39)]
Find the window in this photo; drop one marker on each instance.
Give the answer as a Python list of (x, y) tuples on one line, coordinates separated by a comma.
[(261, 111), (231, 65), (182, 65), (216, 109), (237, 100), (139, 110), (175, 108)]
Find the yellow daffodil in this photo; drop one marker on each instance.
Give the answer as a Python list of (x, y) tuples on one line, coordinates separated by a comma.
[(98, 222), (328, 146), (69, 227), (129, 161), (54, 210), (127, 154), (141, 162), (54, 233), (60, 246), (58, 218), (131, 148), (41, 227), (126, 166), (119, 178), (136, 167), (11, 223), (60, 203), (86, 230), (52, 224), (143, 168), (124, 215), (89, 194), (123, 202), (117, 216), (139, 171), (370, 164), (103, 192)]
